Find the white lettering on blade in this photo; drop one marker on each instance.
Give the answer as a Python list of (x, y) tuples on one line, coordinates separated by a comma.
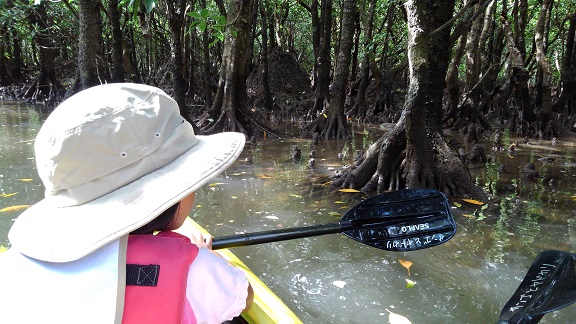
[(414, 228)]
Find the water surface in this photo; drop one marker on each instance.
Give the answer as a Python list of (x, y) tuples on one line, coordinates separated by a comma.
[(333, 279)]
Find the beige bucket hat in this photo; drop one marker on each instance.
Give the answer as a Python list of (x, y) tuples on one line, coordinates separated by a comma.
[(112, 158)]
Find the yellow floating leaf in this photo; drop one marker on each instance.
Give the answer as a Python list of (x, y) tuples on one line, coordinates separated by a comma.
[(339, 202), (406, 264), (265, 176), (457, 204), (348, 190), (14, 208), (468, 215), (326, 183), (216, 184), (8, 195), (3, 248), (233, 197), (394, 318), (410, 283), (474, 202), (25, 180)]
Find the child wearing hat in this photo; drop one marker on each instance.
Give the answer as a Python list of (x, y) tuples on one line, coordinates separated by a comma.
[(119, 163)]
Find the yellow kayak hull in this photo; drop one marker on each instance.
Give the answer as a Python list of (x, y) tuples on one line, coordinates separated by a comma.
[(267, 307)]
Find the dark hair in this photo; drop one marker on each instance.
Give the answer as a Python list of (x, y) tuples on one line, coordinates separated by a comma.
[(159, 223)]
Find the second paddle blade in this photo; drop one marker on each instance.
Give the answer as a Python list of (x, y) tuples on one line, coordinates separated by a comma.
[(402, 220)]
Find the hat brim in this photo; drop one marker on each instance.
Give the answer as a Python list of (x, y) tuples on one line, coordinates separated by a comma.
[(62, 234)]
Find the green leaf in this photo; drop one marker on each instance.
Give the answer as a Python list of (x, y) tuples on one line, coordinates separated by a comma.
[(194, 14), (205, 13), (202, 26), (410, 283)]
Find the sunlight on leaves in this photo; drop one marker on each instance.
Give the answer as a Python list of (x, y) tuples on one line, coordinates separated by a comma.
[(410, 283), (14, 208), (348, 190), (394, 318), (406, 264)]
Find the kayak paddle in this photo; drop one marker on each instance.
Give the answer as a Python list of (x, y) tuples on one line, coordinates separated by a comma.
[(549, 284), (403, 220)]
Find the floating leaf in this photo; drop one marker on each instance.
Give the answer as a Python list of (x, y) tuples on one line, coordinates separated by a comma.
[(468, 215), (339, 283), (265, 176), (474, 202), (295, 196), (410, 283), (339, 202), (348, 190), (3, 248), (406, 264), (457, 204), (14, 208), (8, 195), (233, 197), (333, 213), (271, 217), (216, 184), (394, 318), (25, 180)]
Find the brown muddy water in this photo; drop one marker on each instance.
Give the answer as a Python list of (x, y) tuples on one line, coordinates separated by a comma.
[(333, 279)]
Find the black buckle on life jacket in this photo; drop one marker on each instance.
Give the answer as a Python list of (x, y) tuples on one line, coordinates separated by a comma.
[(142, 275)]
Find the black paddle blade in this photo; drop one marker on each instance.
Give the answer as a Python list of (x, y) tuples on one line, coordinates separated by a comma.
[(549, 285), (402, 220)]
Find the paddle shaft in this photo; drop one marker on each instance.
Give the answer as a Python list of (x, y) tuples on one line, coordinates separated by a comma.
[(275, 235), (317, 230)]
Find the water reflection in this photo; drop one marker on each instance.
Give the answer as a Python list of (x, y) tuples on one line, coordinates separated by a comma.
[(333, 279)]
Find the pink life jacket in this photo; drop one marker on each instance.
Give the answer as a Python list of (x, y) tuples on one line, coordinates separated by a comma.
[(156, 275)]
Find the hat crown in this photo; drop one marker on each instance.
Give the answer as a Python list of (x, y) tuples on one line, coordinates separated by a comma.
[(100, 131)]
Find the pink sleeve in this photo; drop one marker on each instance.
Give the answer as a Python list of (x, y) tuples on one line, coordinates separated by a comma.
[(216, 290)]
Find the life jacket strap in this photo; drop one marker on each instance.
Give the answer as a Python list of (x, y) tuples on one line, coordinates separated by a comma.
[(142, 275)]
